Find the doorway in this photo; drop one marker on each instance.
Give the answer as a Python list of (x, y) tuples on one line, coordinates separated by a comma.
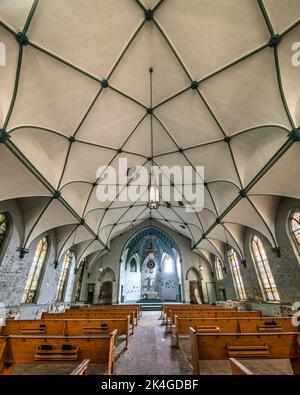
[(90, 293), (222, 294), (106, 293), (196, 296)]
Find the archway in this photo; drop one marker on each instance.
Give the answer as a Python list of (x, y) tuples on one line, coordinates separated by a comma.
[(194, 278), (150, 268), (106, 279)]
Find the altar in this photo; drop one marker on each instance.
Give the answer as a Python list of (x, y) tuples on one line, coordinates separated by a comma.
[(150, 295)]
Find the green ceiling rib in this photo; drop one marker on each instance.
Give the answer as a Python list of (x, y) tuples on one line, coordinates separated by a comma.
[(173, 49), (278, 73), (266, 17), (284, 148), (15, 90), (38, 220), (19, 155), (125, 49), (64, 166), (263, 220), (286, 31), (88, 111), (30, 15), (235, 165), (57, 255)]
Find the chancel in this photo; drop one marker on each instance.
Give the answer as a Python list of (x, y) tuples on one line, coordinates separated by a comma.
[(150, 195)]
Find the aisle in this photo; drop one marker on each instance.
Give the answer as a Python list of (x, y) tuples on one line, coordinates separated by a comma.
[(150, 350)]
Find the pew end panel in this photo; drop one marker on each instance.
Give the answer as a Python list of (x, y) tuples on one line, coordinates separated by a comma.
[(81, 369), (237, 368)]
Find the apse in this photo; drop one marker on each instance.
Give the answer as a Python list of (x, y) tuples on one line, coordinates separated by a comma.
[(150, 268)]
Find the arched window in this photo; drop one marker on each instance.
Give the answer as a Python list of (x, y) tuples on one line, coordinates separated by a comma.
[(219, 269), (294, 223), (236, 273), (79, 280), (264, 270), (168, 264), (30, 291), (4, 226), (133, 265), (62, 282)]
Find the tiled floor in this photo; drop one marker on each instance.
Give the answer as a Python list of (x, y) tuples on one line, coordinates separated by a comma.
[(150, 351)]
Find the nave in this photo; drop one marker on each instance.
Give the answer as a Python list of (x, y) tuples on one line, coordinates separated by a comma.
[(149, 158)]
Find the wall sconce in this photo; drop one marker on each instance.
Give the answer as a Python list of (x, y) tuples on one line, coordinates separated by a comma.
[(56, 264), (244, 263), (22, 252), (277, 251)]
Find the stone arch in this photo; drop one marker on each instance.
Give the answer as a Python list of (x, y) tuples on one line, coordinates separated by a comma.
[(105, 273)]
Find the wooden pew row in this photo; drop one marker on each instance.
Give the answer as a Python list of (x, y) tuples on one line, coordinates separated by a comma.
[(209, 346), (210, 314), (173, 306), (68, 327), (232, 325), (81, 369), (171, 311), (130, 311), (100, 310), (191, 307), (112, 306), (49, 352), (90, 316)]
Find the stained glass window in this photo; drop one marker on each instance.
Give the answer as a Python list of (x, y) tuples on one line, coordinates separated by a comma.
[(262, 264), (168, 264), (4, 224), (133, 265), (62, 282), (236, 273), (219, 269), (79, 281), (30, 291), (295, 227)]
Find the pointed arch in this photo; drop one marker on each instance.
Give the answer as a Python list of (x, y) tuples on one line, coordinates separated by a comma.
[(107, 270), (264, 272), (294, 227), (36, 272), (195, 270)]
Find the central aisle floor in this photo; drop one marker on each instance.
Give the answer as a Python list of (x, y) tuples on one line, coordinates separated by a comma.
[(150, 350)]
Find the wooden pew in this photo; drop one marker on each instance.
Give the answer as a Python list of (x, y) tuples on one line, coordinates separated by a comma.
[(89, 316), (238, 369), (232, 325), (81, 369), (221, 346), (210, 314), (68, 327), (62, 350), (113, 306), (190, 308), (130, 311), (2, 351)]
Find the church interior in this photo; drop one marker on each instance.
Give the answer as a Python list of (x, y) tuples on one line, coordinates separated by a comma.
[(107, 268)]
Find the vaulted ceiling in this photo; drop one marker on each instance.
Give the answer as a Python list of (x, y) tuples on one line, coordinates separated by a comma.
[(75, 95)]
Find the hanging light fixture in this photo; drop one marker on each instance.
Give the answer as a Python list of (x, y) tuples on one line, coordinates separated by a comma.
[(153, 193), (151, 250), (153, 190)]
